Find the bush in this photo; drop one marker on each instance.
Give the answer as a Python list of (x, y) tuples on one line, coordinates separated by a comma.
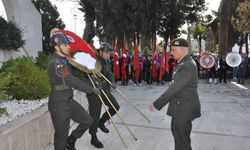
[(11, 35), (43, 59), (5, 81), (30, 81)]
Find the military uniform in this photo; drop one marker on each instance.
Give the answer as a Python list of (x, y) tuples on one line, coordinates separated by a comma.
[(95, 103), (184, 105), (61, 104)]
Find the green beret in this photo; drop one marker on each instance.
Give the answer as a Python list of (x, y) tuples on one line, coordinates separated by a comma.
[(179, 42)]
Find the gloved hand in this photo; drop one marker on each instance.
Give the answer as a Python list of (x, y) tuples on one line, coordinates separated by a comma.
[(97, 91), (113, 85)]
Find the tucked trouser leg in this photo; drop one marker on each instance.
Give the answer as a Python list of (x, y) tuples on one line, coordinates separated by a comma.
[(181, 130), (61, 121), (79, 115)]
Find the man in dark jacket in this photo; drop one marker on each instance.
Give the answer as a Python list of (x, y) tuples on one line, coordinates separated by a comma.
[(182, 96), (61, 105), (242, 69)]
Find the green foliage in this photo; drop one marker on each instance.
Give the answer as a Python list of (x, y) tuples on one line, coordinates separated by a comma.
[(138, 16), (241, 19), (11, 35), (29, 81), (5, 81), (43, 59), (50, 20)]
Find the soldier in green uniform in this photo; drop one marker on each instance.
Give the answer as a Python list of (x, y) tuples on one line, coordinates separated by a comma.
[(95, 103), (182, 96), (61, 105)]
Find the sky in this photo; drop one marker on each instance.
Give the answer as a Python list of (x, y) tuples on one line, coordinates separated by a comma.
[(67, 9)]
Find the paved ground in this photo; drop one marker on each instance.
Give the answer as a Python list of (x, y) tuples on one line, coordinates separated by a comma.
[(224, 125)]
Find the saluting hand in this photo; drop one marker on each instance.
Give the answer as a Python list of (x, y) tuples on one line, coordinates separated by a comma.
[(152, 107)]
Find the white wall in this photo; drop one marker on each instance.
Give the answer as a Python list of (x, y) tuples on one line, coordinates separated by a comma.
[(24, 13)]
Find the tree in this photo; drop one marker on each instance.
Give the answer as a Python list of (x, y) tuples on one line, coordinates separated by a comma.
[(241, 21), (199, 33), (50, 20), (226, 7), (114, 18), (89, 17)]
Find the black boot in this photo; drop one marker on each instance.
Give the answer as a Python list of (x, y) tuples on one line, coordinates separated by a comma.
[(102, 126), (71, 143), (94, 141)]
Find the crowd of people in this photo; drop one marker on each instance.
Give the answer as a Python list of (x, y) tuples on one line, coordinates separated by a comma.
[(219, 73), (145, 74)]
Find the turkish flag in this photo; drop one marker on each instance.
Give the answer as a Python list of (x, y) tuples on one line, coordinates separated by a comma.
[(124, 59), (136, 62), (76, 43), (116, 69), (162, 65)]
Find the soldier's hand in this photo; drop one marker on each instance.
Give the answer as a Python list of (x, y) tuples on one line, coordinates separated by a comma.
[(97, 91), (152, 107), (113, 85)]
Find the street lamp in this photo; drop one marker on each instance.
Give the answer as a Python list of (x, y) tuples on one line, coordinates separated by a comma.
[(75, 17)]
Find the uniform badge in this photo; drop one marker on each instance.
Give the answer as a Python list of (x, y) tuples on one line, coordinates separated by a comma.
[(62, 71), (176, 43)]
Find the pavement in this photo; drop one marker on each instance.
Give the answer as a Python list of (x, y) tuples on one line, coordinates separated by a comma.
[(224, 124)]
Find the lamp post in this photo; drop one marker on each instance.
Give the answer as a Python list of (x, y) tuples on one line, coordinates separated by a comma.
[(75, 17)]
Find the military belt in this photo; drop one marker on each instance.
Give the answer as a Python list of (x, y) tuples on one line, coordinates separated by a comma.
[(61, 87)]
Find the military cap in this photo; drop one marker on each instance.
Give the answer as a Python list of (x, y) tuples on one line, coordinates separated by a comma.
[(179, 42), (58, 39), (106, 46)]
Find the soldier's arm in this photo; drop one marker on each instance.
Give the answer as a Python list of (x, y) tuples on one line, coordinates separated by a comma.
[(181, 80), (75, 82), (79, 84), (111, 77)]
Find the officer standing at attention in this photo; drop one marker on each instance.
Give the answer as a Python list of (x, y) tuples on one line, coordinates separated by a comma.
[(61, 105), (182, 96), (95, 103)]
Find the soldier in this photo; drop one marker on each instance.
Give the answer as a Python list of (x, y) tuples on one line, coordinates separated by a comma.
[(182, 96), (61, 105), (95, 104)]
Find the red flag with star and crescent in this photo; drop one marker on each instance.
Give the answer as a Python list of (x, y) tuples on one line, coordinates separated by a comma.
[(124, 59), (136, 62), (76, 43), (162, 65), (116, 69)]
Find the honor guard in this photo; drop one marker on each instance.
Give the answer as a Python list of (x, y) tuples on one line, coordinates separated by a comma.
[(62, 106), (95, 103)]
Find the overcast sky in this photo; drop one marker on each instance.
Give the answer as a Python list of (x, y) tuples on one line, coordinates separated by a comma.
[(67, 9)]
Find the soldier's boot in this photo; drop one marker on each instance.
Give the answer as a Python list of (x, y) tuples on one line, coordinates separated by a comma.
[(94, 141), (71, 143), (102, 125)]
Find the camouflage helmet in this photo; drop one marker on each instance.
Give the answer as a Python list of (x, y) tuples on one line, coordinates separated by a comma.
[(106, 46), (58, 39)]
